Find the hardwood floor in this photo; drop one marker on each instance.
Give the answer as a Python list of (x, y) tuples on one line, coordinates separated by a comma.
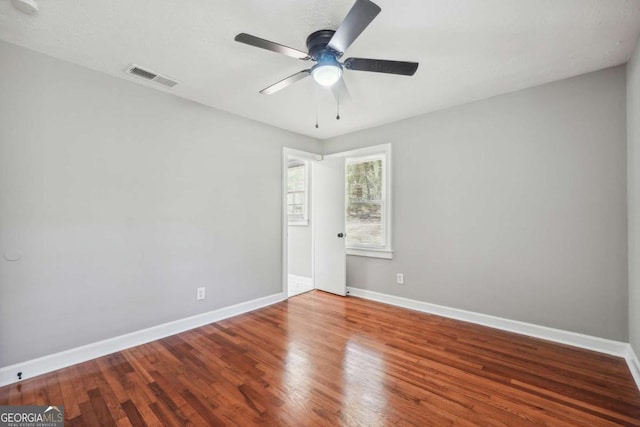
[(320, 359)]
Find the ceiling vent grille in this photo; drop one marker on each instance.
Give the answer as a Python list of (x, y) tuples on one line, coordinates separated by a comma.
[(146, 74)]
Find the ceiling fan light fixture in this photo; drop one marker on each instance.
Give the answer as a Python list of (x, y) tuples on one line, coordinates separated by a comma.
[(326, 74), (326, 48)]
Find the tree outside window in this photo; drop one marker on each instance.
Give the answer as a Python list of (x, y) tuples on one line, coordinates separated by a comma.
[(365, 182)]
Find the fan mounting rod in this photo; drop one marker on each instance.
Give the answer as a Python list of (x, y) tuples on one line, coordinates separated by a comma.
[(317, 44)]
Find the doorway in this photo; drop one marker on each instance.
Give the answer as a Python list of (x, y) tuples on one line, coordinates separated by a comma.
[(313, 222), (298, 221)]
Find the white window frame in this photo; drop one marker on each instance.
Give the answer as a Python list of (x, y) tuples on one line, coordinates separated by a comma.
[(305, 208), (362, 154)]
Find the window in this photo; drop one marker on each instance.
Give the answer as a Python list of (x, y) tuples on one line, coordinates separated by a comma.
[(364, 219), (297, 200), (368, 210)]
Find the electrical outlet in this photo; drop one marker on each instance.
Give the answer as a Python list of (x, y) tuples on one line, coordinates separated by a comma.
[(400, 279), (200, 293)]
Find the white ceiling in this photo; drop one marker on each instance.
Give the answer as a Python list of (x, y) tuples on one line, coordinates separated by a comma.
[(467, 49)]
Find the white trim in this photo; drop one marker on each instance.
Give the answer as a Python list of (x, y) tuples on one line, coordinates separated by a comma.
[(360, 152), (301, 154), (52, 362), (370, 253), (355, 159), (301, 280), (614, 348), (634, 364)]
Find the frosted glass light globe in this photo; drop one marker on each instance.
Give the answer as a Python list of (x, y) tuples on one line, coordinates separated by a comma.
[(326, 75)]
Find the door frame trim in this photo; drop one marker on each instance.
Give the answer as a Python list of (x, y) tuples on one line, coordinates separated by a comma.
[(286, 153)]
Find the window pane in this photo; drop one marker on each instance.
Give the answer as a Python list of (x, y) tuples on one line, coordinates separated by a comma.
[(296, 178), (364, 224), (364, 203), (296, 197), (295, 211)]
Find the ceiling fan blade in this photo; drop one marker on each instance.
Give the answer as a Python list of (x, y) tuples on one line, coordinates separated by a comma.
[(340, 91), (286, 82), (358, 18), (381, 66), (272, 46)]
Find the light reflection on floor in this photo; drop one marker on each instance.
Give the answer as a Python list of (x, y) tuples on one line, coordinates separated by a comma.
[(296, 380), (359, 380), (364, 380)]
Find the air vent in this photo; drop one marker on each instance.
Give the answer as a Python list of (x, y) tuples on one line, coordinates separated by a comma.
[(165, 81), (138, 71)]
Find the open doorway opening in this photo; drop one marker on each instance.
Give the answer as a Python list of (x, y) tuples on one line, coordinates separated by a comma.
[(298, 221)]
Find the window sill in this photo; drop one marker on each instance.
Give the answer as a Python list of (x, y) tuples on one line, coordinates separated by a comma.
[(371, 253), (301, 222)]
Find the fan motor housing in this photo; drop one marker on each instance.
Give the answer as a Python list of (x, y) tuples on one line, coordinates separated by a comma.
[(317, 44)]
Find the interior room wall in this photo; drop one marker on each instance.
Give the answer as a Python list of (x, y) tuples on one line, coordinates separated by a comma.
[(514, 206), (633, 194), (122, 201)]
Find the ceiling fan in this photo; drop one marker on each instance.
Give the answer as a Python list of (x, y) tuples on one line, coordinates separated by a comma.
[(326, 47)]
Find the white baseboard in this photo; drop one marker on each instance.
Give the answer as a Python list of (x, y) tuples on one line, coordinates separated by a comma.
[(634, 364), (42, 365), (45, 364), (300, 280), (615, 348)]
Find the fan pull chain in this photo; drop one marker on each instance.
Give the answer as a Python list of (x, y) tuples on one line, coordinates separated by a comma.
[(338, 113), (316, 99)]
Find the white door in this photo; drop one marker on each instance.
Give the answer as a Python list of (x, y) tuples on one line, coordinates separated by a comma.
[(330, 260)]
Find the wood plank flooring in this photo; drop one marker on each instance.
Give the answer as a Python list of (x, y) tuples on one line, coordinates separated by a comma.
[(324, 360)]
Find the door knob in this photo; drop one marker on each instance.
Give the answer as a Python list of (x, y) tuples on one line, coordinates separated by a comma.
[(341, 235)]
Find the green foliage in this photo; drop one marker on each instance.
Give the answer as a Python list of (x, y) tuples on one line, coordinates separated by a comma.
[(364, 209), (364, 181)]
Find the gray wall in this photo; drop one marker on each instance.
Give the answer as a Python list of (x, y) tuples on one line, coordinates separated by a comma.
[(514, 206), (123, 200), (633, 194)]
